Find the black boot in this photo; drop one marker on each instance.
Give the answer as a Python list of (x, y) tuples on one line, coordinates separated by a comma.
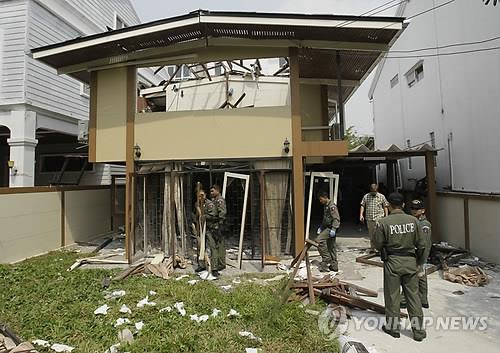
[(391, 333), (199, 269)]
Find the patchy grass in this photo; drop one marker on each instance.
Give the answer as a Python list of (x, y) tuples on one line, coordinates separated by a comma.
[(39, 299)]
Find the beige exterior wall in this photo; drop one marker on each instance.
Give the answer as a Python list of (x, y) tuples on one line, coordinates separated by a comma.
[(450, 213), (111, 115), (31, 222), (30, 225), (484, 223), (214, 134), (484, 218), (88, 214)]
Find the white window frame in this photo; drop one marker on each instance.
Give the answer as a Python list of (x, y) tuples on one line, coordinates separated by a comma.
[(394, 81), (119, 18), (411, 75), (83, 93)]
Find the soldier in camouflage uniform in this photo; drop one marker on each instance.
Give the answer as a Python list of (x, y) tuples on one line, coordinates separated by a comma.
[(216, 236), (327, 233), (211, 219), (418, 211), (400, 240)]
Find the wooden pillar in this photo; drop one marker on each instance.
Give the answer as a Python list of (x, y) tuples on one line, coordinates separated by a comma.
[(130, 161), (92, 117), (324, 112), (262, 217), (298, 163), (63, 219), (431, 193), (467, 223), (340, 103), (390, 176)]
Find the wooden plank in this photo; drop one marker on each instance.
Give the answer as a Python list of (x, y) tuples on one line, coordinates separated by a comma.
[(309, 281), (294, 272), (431, 194), (365, 259), (365, 291), (40, 189), (466, 223), (130, 161)]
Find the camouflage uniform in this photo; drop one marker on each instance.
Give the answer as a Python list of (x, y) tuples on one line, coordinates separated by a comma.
[(327, 248), (422, 279), (215, 234), (401, 235)]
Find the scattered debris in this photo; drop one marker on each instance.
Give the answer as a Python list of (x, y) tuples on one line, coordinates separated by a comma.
[(216, 312), (252, 350), (126, 336), (152, 292), (207, 276), (113, 348), (61, 348), (237, 280), (233, 313), (275, 278), (106, 281), (102, 310), (41, 343), (180, 308), (181, 277), (282, 267), (198, 319), (471, 276), (226, 288), (250, 336), (458, 292), (139, 325), (145, 302), (193, 282), (125, 309), (159, 266), (24, 347), (120, 321), (166, 309), (351, 345), (115, 295), (99, 260)]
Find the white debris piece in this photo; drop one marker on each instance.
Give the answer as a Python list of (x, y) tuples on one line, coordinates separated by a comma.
[(226, 288), (283, 267), (139, 325), (41, 343), (276, 278), (125, 309), (113, 348), (251, 350), (193, 282), (233, 313), (152, 292), (181, 277), (102, 310), (216, 312), (126, 335), (197, 318), (167, 309), (237, 280), (250, 335), (207, 276), (120, 321), (56, 347), (180, 308), (115, 295), (145, 302)]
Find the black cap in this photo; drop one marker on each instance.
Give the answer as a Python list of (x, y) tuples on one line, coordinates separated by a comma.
[(396, 199), (417, 205)]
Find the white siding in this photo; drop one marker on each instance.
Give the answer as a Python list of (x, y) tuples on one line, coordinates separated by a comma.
[(458, 94), (103, 12), (44, 88), (13, 15)]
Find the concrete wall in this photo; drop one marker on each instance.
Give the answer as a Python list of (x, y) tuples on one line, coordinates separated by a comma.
[(32, 221), (213, 134), (483, 223)]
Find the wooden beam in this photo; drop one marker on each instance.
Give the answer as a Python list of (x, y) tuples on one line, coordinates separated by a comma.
[(324, 149), (431, 193), (262, 232), (466, 223), (93, 117), (298, 163), (131, 93), (328, 82), (63, 219)]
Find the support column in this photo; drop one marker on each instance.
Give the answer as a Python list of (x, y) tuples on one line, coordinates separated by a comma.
[(431, 193), (22, 144), (298, 163)]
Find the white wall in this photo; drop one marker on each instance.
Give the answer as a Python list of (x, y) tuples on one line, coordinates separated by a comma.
[(13, 21), (458, 95)]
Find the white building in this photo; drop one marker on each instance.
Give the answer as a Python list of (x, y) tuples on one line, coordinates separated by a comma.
[(447, 95), (39, 110)]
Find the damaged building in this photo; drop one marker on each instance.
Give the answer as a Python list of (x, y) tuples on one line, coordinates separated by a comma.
[(271, 136)]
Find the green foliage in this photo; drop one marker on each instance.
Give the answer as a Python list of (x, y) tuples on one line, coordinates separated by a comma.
[(39, 299), (354, 140)]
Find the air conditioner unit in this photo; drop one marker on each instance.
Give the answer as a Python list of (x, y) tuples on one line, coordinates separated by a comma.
[(83, 131)]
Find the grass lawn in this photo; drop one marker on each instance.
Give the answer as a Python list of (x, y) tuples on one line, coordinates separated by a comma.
[(39, 299)]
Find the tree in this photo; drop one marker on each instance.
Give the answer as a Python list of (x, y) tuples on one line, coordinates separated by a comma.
[(354, 140)]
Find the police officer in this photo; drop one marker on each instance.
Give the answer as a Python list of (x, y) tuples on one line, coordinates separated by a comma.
[(401, 243), (327, 234), (418, 211), (216, 237)]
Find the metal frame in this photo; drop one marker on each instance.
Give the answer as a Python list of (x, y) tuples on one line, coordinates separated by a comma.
[(246, 178)]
